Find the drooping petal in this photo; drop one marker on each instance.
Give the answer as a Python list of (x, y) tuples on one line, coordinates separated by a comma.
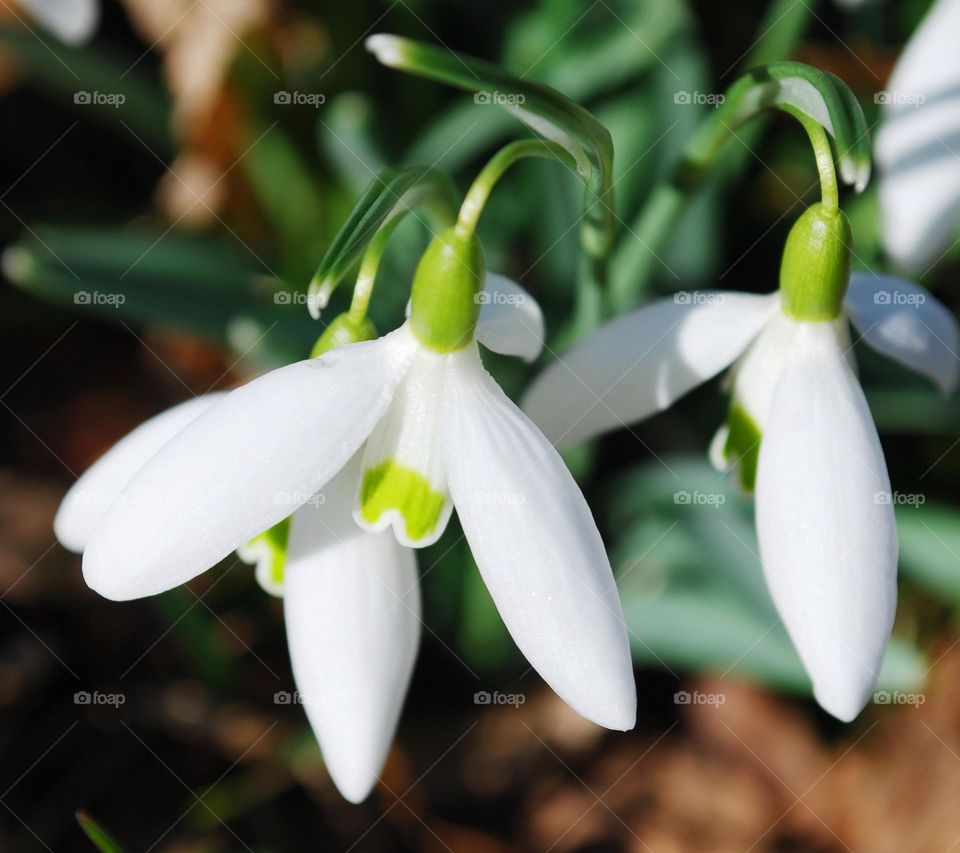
[(71, 21), (90, 498), (825, 523), (352, 607), (919, 171), (642, 362), (536, 545), (511, 322), (907, 323), (242, 466), (403, 484)]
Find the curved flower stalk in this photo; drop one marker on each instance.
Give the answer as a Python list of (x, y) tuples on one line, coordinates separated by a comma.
[(919, 172), (799, 429), (71, 21)]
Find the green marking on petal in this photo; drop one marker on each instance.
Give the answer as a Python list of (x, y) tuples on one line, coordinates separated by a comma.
[(743, 445), (391, 486), (271, 545)]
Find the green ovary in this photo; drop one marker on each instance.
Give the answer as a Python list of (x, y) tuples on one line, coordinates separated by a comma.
[(391, 486), (743, 445)]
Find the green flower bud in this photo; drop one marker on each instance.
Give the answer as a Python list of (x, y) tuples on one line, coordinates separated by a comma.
[(444, 303), (816, 265), (342, 330)]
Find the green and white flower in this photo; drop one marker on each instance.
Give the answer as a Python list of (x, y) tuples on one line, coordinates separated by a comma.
[(799, 430), (428, 429)]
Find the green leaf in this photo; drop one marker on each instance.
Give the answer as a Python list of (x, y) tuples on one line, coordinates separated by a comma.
[(544, 110), (101, 839), (185, 282), (391, 194), (930, 548)]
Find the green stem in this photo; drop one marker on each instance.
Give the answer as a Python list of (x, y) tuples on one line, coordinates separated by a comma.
[(479, 192), (367, 276), (829, 191)]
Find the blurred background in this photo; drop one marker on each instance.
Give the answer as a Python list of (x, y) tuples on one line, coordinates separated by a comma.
[(167, 190)]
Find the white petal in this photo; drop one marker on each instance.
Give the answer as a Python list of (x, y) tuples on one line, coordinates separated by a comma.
[(916, 143), (403, 484), (72, 21), (537, 546), (242, 466), (642, 362), (907, 323), (352, 607), (511, 322), (89, 499), (825, 523)]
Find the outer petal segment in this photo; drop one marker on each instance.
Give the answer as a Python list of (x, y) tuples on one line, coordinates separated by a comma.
[(511, 322), (242, 466), (825, 523), (537, 546), (352, 607), (907, 323), (642, 362), (90, 498)]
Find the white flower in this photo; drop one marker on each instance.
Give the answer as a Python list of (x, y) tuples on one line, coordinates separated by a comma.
[(824, 516), (916, 147), (71, 21), (393, 434)]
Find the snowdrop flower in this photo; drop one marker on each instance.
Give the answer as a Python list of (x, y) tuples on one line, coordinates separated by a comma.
[(352, 602), (916, 147), (432, 430), (823, 504), (71, 21)]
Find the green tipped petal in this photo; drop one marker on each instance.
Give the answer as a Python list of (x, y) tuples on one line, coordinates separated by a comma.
[(394, 488)]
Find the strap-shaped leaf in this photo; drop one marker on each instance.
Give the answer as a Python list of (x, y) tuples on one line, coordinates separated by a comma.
[(544, 110), (789, 86), (392, 193)]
